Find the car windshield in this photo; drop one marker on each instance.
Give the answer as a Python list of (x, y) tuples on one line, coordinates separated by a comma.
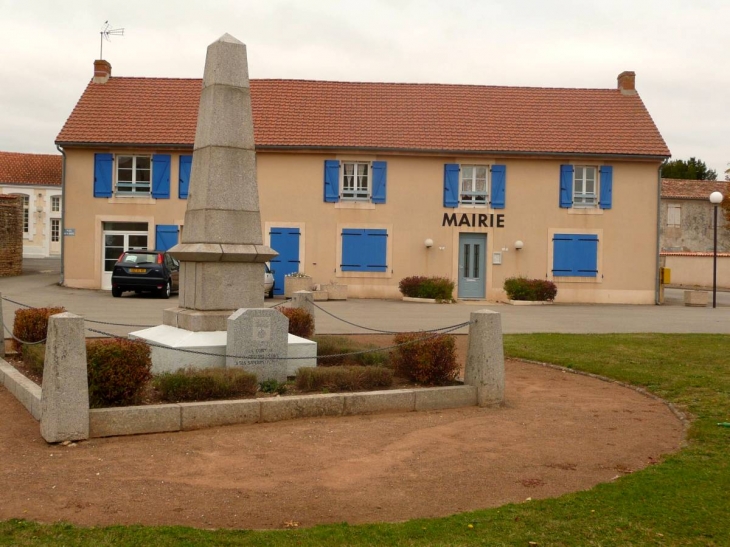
[(139, 258)]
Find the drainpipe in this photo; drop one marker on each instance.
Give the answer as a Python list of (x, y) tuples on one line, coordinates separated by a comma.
[(63, 210), (658, 234)]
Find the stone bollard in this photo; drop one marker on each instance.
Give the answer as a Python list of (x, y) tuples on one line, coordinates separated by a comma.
[(303, 300), (485, 357), (2, 328), (65, 390)]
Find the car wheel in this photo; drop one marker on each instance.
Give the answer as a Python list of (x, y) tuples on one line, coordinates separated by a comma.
[(116, 293), (271, 292), (167, 291)]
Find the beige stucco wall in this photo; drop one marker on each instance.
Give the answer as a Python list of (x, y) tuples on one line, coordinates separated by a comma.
[(291, 194), (37, 241), (696, 271)]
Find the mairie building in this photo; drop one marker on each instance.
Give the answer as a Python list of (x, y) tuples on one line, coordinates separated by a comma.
[(364, 184)]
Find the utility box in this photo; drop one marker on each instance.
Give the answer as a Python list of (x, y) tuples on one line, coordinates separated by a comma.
[(665, 275)]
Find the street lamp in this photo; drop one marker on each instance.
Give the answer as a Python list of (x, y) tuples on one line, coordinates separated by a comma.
[(715, 199)]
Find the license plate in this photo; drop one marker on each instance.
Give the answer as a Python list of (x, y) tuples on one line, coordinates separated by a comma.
[(137, 270)]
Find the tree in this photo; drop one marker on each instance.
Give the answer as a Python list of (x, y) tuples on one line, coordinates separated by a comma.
[(692, 169)]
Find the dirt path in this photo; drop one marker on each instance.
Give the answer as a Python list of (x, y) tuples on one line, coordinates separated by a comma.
[(558, 433)]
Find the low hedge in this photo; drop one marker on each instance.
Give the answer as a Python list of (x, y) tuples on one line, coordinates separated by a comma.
[(204, 384), (31, 325), (439, 288), (533, 290), (337, 345), (430, 361), (301, 322), (343, 378), (118, 371)]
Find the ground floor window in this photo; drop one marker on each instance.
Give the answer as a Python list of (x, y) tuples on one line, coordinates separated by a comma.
[(26, 212), (575, 255), (364, 250), (55, 230)]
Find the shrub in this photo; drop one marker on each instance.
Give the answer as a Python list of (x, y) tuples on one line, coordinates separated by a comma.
[(335, 345), (343, 378), (34, 357), (204, 384), (118, 371), (534, 290), (301, 322), (31, 325), (272, 386), (430, 361), (439, 288)]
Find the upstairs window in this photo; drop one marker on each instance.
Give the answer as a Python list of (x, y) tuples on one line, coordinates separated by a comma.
[(134, 174), (355, 180), (674, 215), (584, 187), (55, 204), (474, 184)]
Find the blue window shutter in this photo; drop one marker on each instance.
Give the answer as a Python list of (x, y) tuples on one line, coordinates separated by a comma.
[(166, 236), (566, 186), (563, 255), (186, 164), (499, 179), (331, 181), (364, 250), (161, 176), (103, 167), (586, 255), (380, 169), (451, 185), (606, 182)]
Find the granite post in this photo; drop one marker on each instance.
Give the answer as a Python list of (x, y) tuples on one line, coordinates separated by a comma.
[(222, 253), (258, 342), (65, 391), (303, 300), (485, 357)]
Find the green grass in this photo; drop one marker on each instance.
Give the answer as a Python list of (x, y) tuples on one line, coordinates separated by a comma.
[(685, 500)]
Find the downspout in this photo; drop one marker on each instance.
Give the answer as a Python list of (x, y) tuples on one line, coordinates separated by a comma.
[(63, 210), (658, 235)]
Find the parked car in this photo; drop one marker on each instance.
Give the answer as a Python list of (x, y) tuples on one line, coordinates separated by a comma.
[(142, 271), (268, 282), (157, 271)]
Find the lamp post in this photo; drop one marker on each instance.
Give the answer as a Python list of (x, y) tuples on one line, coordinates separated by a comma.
[(715, 199)]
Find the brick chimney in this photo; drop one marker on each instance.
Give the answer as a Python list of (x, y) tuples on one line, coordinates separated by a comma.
[(627, 82), (102, 71)]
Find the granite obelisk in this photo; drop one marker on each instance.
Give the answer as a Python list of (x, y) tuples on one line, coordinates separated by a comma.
[(221, 249)]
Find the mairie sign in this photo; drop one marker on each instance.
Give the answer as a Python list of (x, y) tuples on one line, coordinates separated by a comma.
[(474, 220)]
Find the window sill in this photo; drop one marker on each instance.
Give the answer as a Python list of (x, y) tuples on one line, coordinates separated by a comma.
[(144, 199), (354, 205), (575, 279), (585, 211), (364, 275)]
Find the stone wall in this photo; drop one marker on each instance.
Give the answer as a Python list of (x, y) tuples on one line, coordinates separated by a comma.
[(11, 235), (695, 230)]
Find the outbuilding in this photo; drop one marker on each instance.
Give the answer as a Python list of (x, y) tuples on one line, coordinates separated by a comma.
[(364, 184)]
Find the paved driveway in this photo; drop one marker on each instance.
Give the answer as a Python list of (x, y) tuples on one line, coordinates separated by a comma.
[(39, 287)]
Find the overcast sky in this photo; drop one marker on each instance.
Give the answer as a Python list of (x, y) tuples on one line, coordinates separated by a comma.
[(678, 49)]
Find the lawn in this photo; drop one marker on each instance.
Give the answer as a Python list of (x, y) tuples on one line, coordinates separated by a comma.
[(684, 500)]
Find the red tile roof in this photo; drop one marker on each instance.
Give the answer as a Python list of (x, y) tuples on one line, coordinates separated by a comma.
[(693, 189), (38, 169), (419, 117), (692, 253)]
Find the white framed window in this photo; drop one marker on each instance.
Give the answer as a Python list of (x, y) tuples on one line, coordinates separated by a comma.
[(674, 215), (26, 213), (356, 183), (55, 230), (55, 204), (134, 174), (585, 186), (473, 185)]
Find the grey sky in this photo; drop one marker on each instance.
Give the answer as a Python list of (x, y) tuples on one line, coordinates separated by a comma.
[(676, 48)]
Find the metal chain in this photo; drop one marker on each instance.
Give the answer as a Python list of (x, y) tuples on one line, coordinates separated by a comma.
[(382, 331), (16, 303), (22, 341), (253, 358), (118, 324)]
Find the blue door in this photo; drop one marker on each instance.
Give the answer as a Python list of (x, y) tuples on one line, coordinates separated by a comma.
[(472, 265), (284, 241)]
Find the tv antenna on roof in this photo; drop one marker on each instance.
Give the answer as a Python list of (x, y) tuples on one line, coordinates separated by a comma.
[(107, 31)]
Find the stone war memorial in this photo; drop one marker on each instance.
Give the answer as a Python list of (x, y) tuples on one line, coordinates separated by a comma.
[(222, 255)]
